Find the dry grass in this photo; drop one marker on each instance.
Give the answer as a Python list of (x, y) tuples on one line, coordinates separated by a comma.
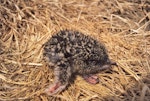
[(122, 25)]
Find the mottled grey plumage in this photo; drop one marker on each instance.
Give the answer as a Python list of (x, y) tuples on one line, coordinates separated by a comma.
[(70, 53)]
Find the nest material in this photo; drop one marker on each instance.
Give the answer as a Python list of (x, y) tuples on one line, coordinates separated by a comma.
[(122, 25)]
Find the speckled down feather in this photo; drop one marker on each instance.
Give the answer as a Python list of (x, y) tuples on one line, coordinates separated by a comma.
[(71, 53)]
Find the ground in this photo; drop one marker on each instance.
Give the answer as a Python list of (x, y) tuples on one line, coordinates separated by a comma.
[(122, 25)]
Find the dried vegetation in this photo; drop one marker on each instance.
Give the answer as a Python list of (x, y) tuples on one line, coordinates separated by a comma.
[(122, 25)]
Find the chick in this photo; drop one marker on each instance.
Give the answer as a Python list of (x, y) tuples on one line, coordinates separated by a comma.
[(73, 53)]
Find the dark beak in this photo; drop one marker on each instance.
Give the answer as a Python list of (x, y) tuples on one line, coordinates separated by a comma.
[(113, 63)]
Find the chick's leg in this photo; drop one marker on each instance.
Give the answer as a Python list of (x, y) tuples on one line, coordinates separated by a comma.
[(62, 76), (91, 78)]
